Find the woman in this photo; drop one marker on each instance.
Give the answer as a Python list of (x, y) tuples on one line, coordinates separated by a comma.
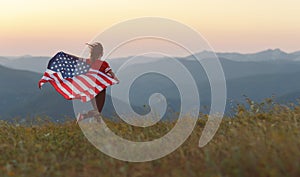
[(96, 52)]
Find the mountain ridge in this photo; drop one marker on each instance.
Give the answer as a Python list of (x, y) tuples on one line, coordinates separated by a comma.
[(20, 95)]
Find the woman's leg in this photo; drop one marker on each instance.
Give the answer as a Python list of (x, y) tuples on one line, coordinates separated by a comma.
[(97, 102), (94, 103), (100, 100)]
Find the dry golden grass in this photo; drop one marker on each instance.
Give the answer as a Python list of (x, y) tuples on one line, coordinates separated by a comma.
[(263, 140)]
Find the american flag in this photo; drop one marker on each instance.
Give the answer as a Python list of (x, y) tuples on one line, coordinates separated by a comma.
[(75, 79)]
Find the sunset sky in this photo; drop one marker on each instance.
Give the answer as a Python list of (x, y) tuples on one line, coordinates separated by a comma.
[(41, 27)]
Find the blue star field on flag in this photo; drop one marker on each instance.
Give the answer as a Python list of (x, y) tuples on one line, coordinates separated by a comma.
[(68, 65)]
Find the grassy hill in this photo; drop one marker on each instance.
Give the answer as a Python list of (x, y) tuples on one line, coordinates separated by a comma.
[(262, 141)]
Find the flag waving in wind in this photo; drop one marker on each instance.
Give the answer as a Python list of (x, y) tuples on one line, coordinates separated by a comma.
[(74, 78)]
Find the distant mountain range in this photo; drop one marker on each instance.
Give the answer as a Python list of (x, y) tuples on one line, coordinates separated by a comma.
[(267, 55), (38, 63), (20, 96), (258, 75), (27, 62)]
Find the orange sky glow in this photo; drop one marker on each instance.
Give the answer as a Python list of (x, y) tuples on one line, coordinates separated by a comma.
[(41, 27)]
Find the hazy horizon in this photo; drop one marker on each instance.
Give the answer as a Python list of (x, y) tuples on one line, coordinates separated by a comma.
[(244, 53)]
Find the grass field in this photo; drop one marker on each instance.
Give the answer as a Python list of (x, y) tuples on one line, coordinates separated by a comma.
[(263, 140)]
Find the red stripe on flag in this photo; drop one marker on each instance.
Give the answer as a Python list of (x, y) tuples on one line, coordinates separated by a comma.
[(83, 83), (65, 86), (80, 88), (97, 82), (103, 77), (86, 83)]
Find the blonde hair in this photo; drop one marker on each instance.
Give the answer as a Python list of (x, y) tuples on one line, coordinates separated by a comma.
[(96, 51)]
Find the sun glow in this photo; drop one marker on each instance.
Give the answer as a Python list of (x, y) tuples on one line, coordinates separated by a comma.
[(40, 27)]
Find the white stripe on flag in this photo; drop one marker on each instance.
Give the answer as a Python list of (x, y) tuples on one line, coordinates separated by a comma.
[(82, 85), (107, 77), (57, 81), (99, 79), (91, 82)]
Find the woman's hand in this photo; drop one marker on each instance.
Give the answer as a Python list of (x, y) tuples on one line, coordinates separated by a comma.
[(114, 76)]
